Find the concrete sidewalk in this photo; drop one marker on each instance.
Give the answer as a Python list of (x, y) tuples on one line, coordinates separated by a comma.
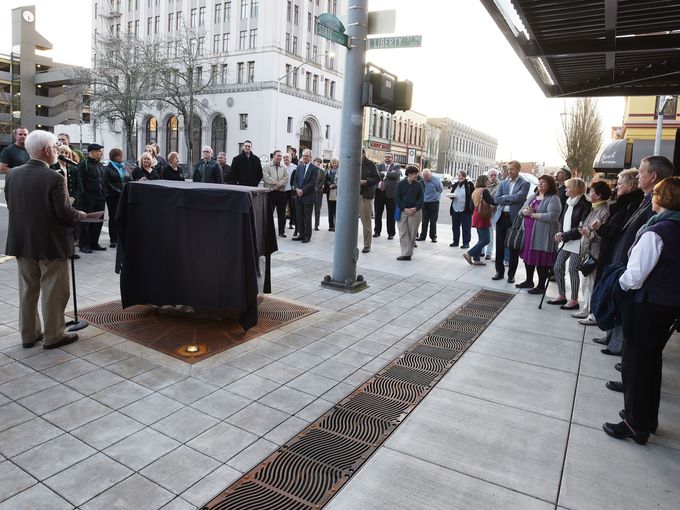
[(107, 423)]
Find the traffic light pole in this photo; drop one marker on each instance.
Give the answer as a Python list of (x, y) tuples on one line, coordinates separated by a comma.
[(346, 253)]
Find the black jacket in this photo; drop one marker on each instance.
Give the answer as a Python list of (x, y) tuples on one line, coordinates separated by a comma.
[(113, 184), (619, 213), (211, 169), (246, 171), (627, 237), (138, 173), (369, 173), (172, 175), (90, 171), (469, 188), (580, 212), (73, 182)]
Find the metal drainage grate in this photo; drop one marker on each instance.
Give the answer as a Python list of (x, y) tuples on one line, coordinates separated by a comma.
[(306, 472)]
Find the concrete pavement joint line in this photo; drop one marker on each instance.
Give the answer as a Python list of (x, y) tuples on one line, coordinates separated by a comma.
[(571, 420), (308, 471)]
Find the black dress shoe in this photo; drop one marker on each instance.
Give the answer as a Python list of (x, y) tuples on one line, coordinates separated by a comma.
[(557, 301), (112, 245), (404, 257), (434, 240), (464, 246), (497, 277), (316, 228), (415, 245), (365, 250), (616, 386), (536, 291), (297, 238), (609, 353), (305, 240), (621, 430), (618, 367), (98, 248), (389, 238), (511, 279), (376, 235), (85, 250), (570, 307), (622, 415), (453, 245), (526, 284), (69, 338), (602, 341), (421, 238), (40, 338), (282, 235)]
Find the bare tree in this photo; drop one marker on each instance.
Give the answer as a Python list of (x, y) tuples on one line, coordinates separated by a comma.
[(581, 136), (187, 72), (119, 81)]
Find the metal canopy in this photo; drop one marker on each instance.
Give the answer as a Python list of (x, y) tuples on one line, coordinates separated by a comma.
[(577, 48)]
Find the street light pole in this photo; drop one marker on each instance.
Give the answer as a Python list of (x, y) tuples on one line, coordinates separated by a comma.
[(346, 253), (663, 101)]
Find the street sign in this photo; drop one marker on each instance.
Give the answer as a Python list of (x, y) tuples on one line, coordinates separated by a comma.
[(330, 27), (331, 35), (411, 156), (406, 41), (382, 22)]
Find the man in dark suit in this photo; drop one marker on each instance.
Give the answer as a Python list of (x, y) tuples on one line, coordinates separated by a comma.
[(510, 197), (369, 179), (390, 173), (93, 198), (304, 187), (222, 163), (40, 236), (206, 170), (246, 168)]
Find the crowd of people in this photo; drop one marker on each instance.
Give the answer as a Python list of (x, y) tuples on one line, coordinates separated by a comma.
[(620, 247)]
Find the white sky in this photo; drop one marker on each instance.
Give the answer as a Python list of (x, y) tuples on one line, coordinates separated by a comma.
[(465, 69)]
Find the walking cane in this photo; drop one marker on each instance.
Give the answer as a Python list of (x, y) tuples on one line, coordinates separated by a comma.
[(75, 324), (550, 275)]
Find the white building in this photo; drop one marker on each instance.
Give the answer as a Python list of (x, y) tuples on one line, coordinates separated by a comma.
[(463, 148), (258, 93)]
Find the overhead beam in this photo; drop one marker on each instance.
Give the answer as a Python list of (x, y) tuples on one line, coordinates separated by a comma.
[(611, 8), (638, 44)]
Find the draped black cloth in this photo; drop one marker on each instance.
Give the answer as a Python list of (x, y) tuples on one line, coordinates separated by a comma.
[(194, 244)]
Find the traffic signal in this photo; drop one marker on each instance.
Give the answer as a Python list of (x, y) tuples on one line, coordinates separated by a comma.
[(386, 93)]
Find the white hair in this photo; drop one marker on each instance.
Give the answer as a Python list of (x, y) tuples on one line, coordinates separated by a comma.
[(37, 140), (307, 151), (488, 172), (207, 147)]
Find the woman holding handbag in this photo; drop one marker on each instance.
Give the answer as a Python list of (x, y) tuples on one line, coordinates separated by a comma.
[(331, 191), (481, 220), (590, 245), (541, 217)]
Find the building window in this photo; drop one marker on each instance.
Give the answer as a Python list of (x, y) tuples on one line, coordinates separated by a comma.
[(201, 16), (251, 72), (242, 40), (151, 130), (218, 134), (149, 24), (309, 22), (287, 42), (225, 42), (295, 45), (289, 125), (328, 131), (309, 51), (244, 9), (296, 15), (178, 20), (332, 90), (374, 123), (136, 27), (326, 86), (199, 76), (308, 82), (216, 43), (381, 129), (169, 49), (295, 78), (289, 11), (227, 11), (213, 74), (192, 18), (253, 38), (171, 135), (315, 84), (223, 74), (196, 131), (218, 13), (315, 52), (254, 8), (669, 111), (240, 67), (201, 45), (243, 121), (289, 70), (156, 24)]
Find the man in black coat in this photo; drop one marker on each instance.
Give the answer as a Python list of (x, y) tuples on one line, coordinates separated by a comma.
[(246, 168), (40, 236), (369, 179), (304, 188), (93, 198), (390, 173), (224, 168), (207, 170)]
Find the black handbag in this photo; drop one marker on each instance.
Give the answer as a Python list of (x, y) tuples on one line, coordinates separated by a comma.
[(587, 264), (514, 239)]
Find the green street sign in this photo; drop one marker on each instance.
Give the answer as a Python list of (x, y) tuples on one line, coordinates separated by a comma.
[(332, 35), (385, 43)]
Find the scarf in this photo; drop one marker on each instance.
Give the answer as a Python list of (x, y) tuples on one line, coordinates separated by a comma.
[(120, 168), (669, 215), (599, 204), (572, 200)]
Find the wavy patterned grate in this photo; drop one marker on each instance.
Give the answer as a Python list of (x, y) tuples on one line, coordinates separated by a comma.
[(306, 472)]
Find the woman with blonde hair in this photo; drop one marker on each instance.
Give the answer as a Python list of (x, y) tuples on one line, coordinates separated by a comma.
[(571, 220), (172, 170), (145, 169)]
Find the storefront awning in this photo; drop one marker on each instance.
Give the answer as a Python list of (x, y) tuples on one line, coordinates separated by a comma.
[(612, 157)]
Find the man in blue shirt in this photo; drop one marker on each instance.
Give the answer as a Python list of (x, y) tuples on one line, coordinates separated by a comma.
[(433, 189)]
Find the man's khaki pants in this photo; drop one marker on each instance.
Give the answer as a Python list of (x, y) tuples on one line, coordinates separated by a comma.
[(408, 230), (51, 278), (366, 209)]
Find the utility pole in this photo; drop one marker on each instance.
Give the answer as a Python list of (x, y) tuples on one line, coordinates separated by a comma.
[(346, 253)]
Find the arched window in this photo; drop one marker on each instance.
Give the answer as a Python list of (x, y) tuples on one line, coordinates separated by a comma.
[(399, 132), (151, 134), (381, 133), (394, 128), (374, 128), (171, 135), (218, 134), (196, 139)]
